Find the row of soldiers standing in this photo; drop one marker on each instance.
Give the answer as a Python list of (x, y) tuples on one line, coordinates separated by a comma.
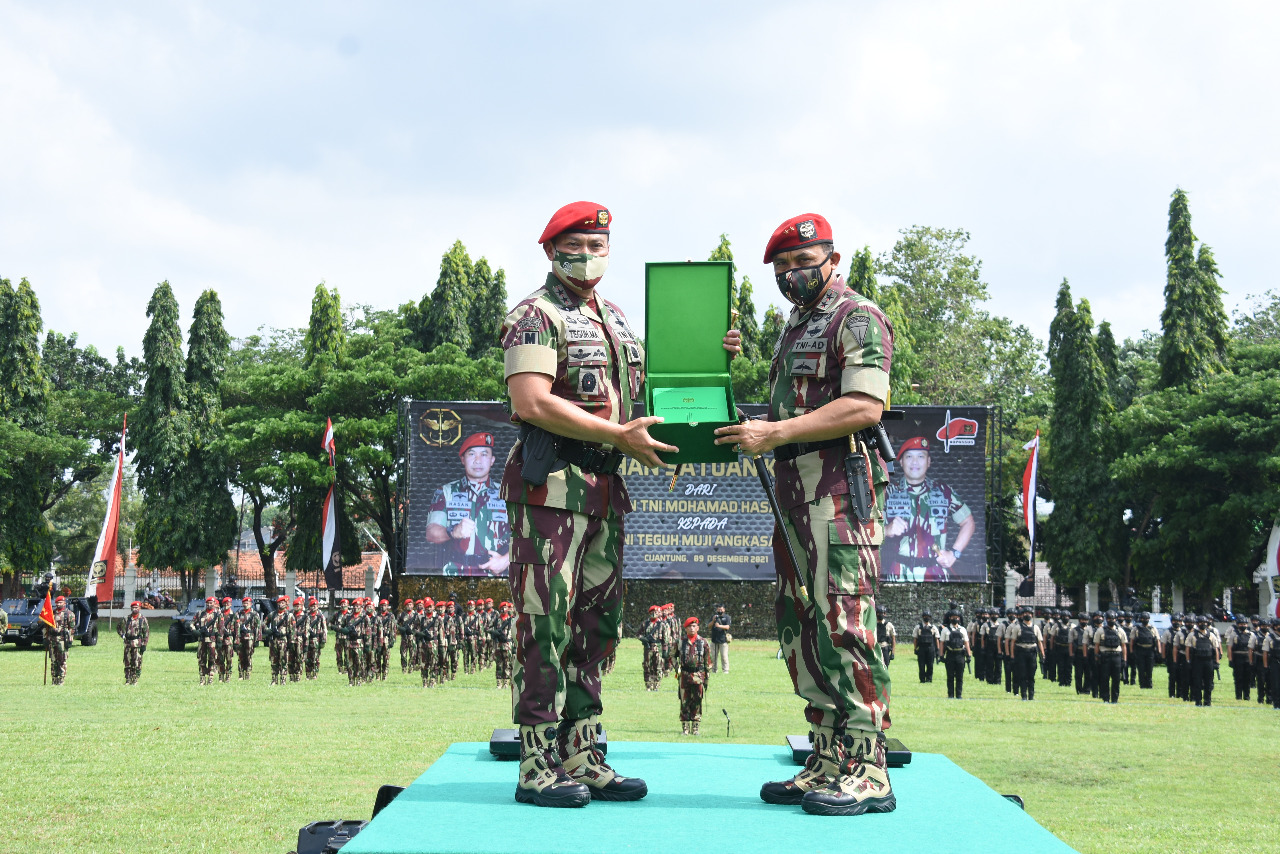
[(294, 639), (363, 637), (1252, 647), (660, 637), (434, 637)]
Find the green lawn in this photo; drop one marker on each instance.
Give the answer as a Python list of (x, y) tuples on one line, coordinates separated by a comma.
[(170, 766)]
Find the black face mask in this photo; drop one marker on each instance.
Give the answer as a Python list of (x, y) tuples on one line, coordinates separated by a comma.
[(802, 285)]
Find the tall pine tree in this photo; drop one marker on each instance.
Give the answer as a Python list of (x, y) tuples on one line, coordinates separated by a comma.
[(326, 335), (1193, 323), (488, 307), (207, 509), (445, 313)]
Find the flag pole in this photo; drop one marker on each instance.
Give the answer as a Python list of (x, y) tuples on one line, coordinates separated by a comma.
[(46, 663)]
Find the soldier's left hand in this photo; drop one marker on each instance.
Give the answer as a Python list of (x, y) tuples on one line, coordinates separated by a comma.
[(946, 559), (497, 563), (752, 438), (733, 342)]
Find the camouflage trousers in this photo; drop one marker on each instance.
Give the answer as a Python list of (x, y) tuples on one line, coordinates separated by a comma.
[(429, 661), (297, 658), (653, 667), (340, 654), (566, 583), (693, 687), (502, 663), (486, 653), (609, 661), (207, 660), (826, 616), (357, 665), (245, 648), (279, 654), (451, 662), (381, 660), (57, 662), (226, 653), (470, 656), (408, 653), (312, 661), (132, 661)]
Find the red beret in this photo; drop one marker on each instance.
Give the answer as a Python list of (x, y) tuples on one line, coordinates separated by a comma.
[(345, 602), (312, 601), (488, 601), (226, 600), (586, 217), (654, 608), (428, 601), (282, 598), (803, 230), (246, 599), (383, 602), (135, 604), (207, 599), (915, 443), (298, 601), (61, 599), (692, 621), (471, 602), (475, 440)]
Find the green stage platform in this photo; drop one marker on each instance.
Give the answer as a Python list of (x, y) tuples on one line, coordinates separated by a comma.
[(463, 804)]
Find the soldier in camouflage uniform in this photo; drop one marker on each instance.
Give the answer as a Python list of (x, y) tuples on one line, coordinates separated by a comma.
[(357, 633), (573, 368), (471, 639), (470, 515), (297, 652), (695, 666), (58, 639), (452, 638), (651, 635), (280, 629), (829, 379), (316, 636), (206, 625), (918, 511), (428, 627), (442, 624), (408, 642), (339, 627), (503, 636), (248, 636), (135, 633), (671, 647), (226, 640), (489, 621), (384, 640)]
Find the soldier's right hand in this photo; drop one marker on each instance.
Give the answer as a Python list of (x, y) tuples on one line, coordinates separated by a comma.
[(896, 528), (635, 441)]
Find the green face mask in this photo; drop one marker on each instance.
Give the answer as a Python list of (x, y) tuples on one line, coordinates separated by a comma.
[(580, 268)]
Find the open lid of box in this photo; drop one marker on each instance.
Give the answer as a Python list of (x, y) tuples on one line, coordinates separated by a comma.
[(686, 313)]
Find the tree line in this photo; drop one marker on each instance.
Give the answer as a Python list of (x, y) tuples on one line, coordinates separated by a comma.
[(1140, 439)]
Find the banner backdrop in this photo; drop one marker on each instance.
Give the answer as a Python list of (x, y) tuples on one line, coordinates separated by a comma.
[(715, 523)]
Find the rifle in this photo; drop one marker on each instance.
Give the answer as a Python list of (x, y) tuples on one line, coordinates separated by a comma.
[(967, 665)]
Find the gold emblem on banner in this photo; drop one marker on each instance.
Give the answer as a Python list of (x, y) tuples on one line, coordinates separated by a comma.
[(439, 427)]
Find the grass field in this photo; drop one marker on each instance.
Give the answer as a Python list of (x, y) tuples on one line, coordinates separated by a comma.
[(170, 766)]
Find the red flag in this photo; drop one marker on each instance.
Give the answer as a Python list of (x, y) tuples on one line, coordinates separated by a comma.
[(46, 613), (102, 572), (1029, 483)]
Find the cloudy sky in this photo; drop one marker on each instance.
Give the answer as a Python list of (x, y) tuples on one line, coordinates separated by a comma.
[(260, 148)]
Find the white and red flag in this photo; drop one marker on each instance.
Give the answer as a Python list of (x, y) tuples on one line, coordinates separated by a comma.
[(102, 572), (330, 540), (1029, 482)]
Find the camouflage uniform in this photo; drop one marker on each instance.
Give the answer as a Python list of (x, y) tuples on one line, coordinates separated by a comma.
[(671, 649), (408, 640), (651, 641), (280, 631), (567, 534), (357, 632), (226, 636), (316, 635), (482, 503), (452, 637), (384, 640), (471, 629), (340, 621), (297, 652), (927, 506), (135, 632), (695, 663), (428, 644), (503, 635), (207, 624), (248, 636), (58, 639), (825, 608)]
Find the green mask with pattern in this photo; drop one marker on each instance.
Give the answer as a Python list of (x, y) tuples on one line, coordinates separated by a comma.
[(583, 269)]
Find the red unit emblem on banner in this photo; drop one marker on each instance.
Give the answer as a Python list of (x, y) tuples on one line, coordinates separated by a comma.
[(957, 431)]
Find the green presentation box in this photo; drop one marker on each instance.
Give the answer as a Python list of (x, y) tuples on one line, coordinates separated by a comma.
[(687, 311)]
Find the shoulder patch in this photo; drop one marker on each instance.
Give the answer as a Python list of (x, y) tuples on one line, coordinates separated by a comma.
[(857, 323)]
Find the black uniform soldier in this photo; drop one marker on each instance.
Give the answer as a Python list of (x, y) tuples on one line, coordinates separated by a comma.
[(1203, 649), (1170, 644), (1062, 647), (135, 632), (1260, 677), (886, 635), (1240, 644), (1025, 647), (1144, 645), (58, 638), (1131, 667), (1011, 628), (1048, 631), (995, 645), (1079, 640), (956, 653), (1110, 644), (1184, 657), (248, 636), (925, 640), (488, 622), (1271, 661)]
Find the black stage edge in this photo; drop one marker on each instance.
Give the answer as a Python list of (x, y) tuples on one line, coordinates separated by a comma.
[(504, 744), (898, 755)]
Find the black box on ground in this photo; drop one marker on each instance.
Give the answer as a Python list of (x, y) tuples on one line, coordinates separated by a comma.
[(325, 837)]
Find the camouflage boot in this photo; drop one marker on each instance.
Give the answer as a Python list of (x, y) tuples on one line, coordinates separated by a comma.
[(822, 766), (693, 727), (585, 763), (862, 784), (543, 781), (684, 727)]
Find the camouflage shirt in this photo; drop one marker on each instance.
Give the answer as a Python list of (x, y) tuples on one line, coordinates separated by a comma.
[(596, 363), (63, 630), (927, 507), (481, 503), (249, 625), (281, 627), (133, 628), (843, 344), (316, 628)]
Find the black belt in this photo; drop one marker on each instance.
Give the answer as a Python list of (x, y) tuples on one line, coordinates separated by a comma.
[(586, 456), (783, 453)]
